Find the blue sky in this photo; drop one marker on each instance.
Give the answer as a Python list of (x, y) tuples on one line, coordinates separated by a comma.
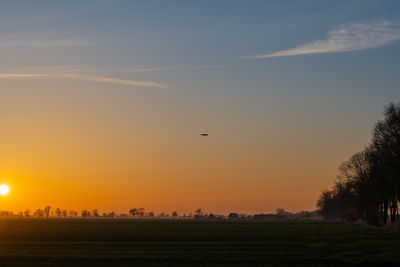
[(288, 76)]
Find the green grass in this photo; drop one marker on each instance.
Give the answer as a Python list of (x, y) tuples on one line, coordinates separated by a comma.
[(41, 242)]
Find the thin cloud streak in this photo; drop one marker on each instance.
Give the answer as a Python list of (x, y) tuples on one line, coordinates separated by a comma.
[(92, 78), (103, 79), (350, 37), (177, 68), (45, 43), (82, 73), (19, 76), (84, 69)]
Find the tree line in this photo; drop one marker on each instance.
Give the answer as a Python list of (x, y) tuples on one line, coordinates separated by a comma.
[(368, 184), (49, 212), (141, 213)]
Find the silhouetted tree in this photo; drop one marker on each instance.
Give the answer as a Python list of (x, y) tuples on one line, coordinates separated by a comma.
[(58, 212), (368, 186), (72, 213), (134, 212), (141, 212), (174, 214), (39, 213), (386, 160), (95, 213), (198, 213), (47, 211), (85, 213)]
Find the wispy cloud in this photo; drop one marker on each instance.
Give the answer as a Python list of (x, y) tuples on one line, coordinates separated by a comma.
[(51, 43), (84, 69), (16, 76), (177, 68), (103, 79), (100, 75), (83, 77), (349, 37)]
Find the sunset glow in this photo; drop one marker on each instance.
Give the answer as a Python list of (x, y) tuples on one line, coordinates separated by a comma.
[(197, 133), (4, 189), (102, 104)]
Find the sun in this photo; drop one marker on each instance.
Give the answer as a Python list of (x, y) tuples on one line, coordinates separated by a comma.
[(4, 189)]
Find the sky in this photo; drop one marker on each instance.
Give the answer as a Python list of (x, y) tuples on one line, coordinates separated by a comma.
[(102, 102)]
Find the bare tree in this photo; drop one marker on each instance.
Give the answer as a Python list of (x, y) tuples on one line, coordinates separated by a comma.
[(368, 186), (58, 212), (198, 213), (72, 213), (95, 213), (85, 213), (141, 212), (134, 212), (39, 213), (47, 211)]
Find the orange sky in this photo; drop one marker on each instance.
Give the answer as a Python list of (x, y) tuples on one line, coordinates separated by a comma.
[(75, 153), (102, 102)]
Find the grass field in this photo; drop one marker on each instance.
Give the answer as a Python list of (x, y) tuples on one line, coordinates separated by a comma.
[(72, 242)]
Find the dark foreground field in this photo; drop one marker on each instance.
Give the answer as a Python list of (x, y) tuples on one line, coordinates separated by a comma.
[(135, 242)]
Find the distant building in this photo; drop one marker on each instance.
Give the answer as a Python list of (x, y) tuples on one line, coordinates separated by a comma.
[(211, 216), (314, 215), (233, 216), (264, 216), (243, 216)]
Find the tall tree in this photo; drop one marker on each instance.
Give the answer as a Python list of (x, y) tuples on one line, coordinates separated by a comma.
[(368, 185), (386, 144)]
